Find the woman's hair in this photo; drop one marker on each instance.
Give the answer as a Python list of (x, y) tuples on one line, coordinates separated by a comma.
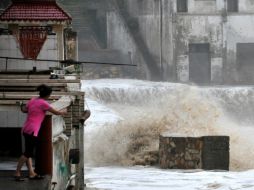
[(44, 90)]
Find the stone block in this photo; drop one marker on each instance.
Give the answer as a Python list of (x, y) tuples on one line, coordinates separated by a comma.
[(207, 152)]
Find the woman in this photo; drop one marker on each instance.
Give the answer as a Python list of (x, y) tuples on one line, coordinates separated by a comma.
[(36, 110)]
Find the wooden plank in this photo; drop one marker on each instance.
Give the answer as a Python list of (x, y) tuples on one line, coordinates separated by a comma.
[(36, 93), (40, 81), (11, 102), (12, 76), (29, 95), (17, 102), (28, 89), (25, 97), (33, 76), (30, 84)]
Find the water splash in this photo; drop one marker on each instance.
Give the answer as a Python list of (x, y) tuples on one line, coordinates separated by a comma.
[(143, 110)]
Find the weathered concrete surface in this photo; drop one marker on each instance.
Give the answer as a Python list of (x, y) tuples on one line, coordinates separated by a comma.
[(164, 36)]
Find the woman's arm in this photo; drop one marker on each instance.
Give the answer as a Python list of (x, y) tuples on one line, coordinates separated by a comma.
[(23, 108), (56, 112)]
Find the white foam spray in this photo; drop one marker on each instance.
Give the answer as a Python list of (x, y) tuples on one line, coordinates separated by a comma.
[(129, 115)]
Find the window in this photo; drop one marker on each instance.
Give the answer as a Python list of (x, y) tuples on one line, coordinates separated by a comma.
[(199, 63), (182, 5), (244, 60), (232, 5)]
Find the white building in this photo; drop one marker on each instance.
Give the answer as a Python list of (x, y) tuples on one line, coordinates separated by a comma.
[(214, 41), (199, 41), (32, 29)]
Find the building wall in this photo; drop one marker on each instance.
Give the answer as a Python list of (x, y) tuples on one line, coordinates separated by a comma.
[(11, 117), (198, 29), (119, 37), (222, 30), (51, 50), (143, 23), (158, 37), (246, 6), (205, 7), (167, 35), (239, 29)]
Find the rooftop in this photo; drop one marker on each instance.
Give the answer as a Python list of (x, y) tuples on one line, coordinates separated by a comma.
[(34, 11)]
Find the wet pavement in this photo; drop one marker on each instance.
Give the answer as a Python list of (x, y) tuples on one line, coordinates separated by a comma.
[(7, 182)]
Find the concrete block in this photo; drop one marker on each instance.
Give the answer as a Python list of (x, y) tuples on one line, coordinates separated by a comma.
[(208, 152), (215, 152)]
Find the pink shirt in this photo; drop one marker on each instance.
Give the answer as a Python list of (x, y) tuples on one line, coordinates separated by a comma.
[(37, 108)]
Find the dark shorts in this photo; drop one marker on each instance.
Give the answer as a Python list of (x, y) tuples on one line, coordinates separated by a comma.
[(30, 145)]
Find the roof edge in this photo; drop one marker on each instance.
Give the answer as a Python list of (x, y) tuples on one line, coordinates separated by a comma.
[(68, 20)]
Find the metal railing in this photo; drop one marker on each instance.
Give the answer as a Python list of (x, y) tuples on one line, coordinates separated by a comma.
[(62, 63)]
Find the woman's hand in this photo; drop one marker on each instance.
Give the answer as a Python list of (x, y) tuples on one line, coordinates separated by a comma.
[(62, 112), (23, 108)]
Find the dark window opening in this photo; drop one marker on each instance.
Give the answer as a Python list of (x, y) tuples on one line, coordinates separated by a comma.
[(199, 63), (10, 142), (245, 65), (182, 5), (232, 5)]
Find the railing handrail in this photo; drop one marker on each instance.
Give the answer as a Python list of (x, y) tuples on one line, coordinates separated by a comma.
[(67, 61)]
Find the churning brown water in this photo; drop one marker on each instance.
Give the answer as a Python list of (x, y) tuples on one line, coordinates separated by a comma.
[(129, 115)]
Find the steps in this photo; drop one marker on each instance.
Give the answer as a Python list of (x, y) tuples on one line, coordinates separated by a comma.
[(18, 87)]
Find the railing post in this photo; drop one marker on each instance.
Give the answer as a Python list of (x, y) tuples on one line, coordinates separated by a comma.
[(85, 115)]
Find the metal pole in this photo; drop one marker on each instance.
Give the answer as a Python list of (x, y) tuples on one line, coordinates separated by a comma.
[(69, 61), (81, 163), (85, 115)]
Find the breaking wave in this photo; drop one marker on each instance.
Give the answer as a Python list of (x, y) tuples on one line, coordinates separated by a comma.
[(129, 115)]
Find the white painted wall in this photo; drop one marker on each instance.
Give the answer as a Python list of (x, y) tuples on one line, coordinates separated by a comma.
[(12, 119), (9, 47)]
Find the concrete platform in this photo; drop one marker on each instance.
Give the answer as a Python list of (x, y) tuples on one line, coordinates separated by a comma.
[(7, 182)]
